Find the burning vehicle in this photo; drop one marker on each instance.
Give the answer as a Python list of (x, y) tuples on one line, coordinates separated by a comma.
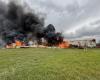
[(21, 28)]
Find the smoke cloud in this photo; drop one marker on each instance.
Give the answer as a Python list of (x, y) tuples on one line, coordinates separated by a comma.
[(20, 23), (15, 20)]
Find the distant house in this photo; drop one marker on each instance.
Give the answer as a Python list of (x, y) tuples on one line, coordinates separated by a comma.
[(91, 43)]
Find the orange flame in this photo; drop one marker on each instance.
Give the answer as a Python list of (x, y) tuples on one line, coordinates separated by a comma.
[(64, 44)]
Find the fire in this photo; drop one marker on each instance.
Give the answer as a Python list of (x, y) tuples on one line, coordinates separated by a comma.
[(18, 43), (64, 44)]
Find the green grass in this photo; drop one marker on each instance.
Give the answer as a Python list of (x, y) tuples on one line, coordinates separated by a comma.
[(49, 64)]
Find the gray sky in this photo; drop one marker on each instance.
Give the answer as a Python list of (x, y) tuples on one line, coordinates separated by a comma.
[(75, 18)]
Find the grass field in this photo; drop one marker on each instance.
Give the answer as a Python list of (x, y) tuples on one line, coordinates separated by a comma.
[(49, 64)]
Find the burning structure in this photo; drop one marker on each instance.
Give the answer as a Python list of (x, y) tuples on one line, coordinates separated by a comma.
[(22, 28)]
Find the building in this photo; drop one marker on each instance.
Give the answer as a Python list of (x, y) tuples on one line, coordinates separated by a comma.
[(89, 42)]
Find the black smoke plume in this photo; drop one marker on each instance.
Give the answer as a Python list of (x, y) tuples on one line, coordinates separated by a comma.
[(16, 23), (51, 36)]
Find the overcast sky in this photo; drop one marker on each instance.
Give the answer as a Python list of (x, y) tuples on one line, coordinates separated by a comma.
[(75, 18)]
